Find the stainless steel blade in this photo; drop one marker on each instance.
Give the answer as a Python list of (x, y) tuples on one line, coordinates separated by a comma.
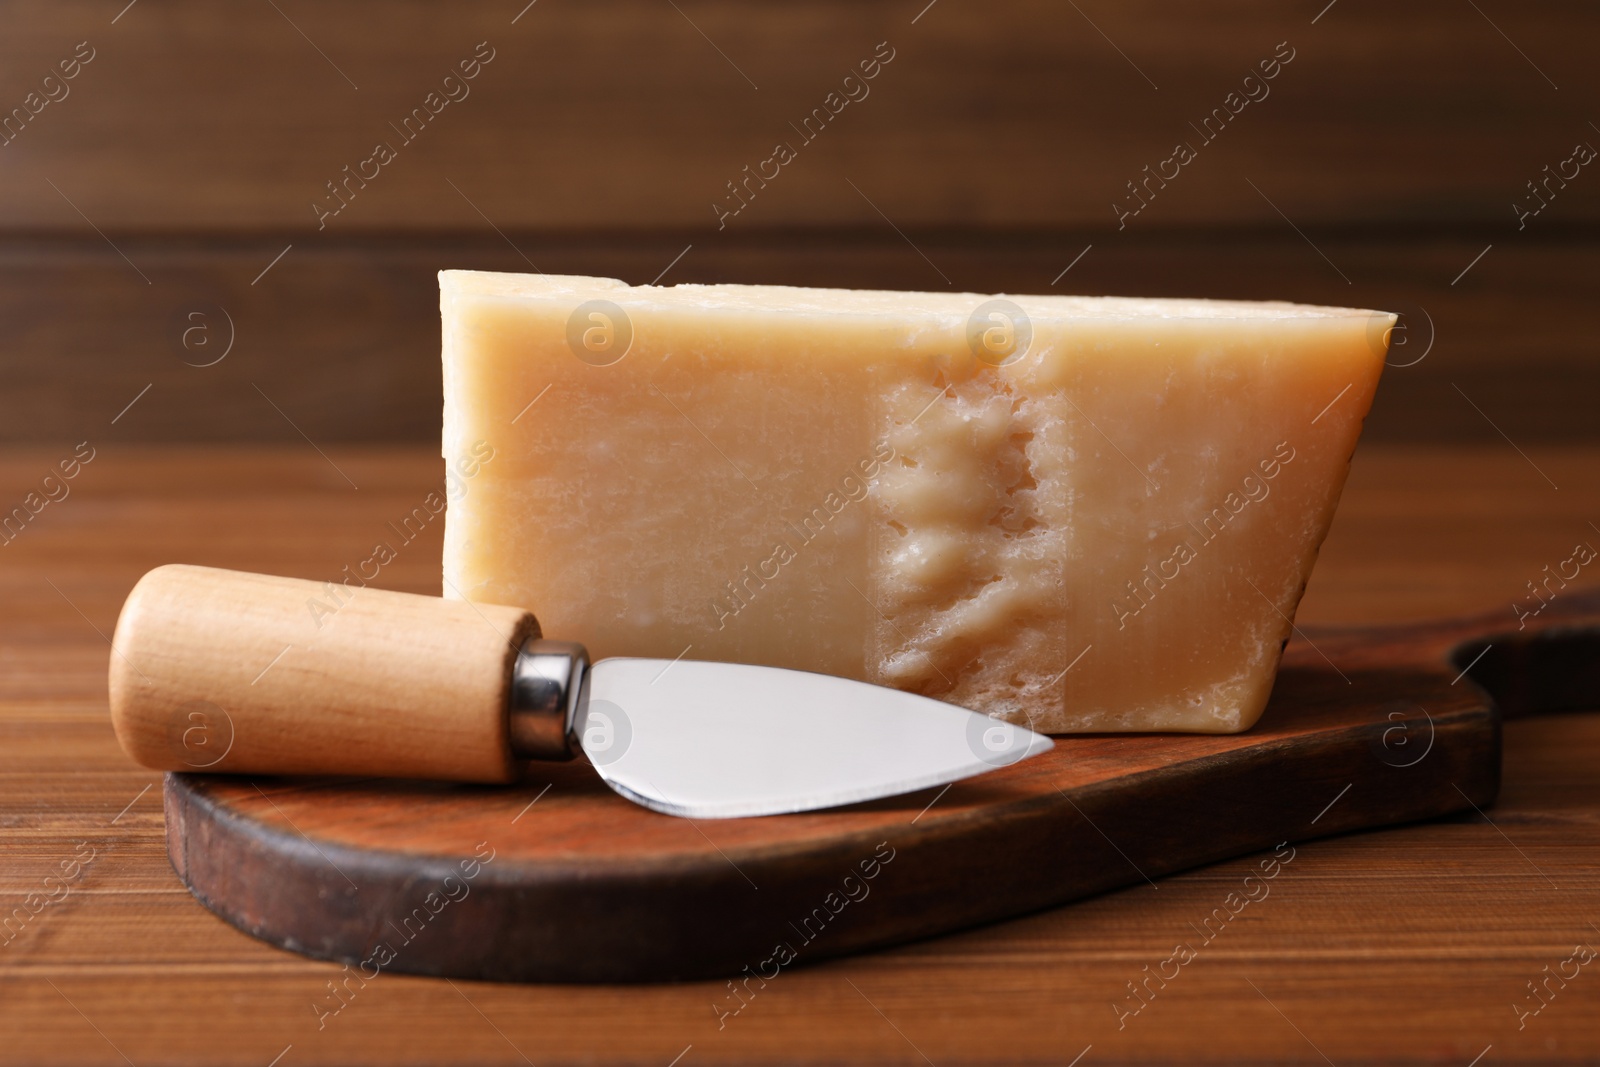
[(720, 740)]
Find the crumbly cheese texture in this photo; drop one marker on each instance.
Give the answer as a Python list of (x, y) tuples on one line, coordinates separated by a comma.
[(1083, 514)]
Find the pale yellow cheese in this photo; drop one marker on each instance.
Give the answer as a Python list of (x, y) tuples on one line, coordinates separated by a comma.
[(1081, 513)]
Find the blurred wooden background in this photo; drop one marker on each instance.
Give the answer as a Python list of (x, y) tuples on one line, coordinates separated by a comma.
[(175, 174)]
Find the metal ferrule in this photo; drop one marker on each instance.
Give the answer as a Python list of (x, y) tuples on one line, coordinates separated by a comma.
[(549, 684)]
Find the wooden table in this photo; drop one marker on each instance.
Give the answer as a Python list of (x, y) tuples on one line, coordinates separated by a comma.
[(1416, 943)]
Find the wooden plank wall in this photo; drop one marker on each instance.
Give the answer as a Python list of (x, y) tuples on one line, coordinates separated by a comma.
[(993, 148)]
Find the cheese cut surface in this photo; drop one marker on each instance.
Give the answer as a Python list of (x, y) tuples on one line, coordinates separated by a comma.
[(1083, 514)]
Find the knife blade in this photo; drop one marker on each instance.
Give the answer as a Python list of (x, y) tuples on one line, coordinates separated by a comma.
[(228, 672), (720, 740)]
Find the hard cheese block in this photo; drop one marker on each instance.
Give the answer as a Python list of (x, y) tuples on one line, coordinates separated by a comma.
[(1083, 514)]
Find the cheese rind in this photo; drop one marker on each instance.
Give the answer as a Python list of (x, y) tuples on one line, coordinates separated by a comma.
[(1085, 514)]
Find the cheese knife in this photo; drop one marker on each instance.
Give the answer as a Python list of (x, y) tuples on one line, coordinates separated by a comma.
[(220, 671)]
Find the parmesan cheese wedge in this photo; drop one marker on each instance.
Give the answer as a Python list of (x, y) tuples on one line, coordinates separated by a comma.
[(1080, 514)]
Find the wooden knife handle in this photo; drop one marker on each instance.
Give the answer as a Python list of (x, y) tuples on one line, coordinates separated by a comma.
[(224, 671)]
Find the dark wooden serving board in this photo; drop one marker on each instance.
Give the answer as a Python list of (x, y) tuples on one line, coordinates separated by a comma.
[(559, 879)]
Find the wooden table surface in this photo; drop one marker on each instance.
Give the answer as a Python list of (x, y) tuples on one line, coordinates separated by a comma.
[(1411, 944)]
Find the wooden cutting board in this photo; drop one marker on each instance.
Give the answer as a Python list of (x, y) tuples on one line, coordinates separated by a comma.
[(559, 879)]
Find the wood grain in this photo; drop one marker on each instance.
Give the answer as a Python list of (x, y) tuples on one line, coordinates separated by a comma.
[(1412, 944), (631, 113), (1382, 170), (340, 340)]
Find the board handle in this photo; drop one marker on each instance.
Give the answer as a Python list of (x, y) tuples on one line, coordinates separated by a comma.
[(224, 671), (1548, 662)]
